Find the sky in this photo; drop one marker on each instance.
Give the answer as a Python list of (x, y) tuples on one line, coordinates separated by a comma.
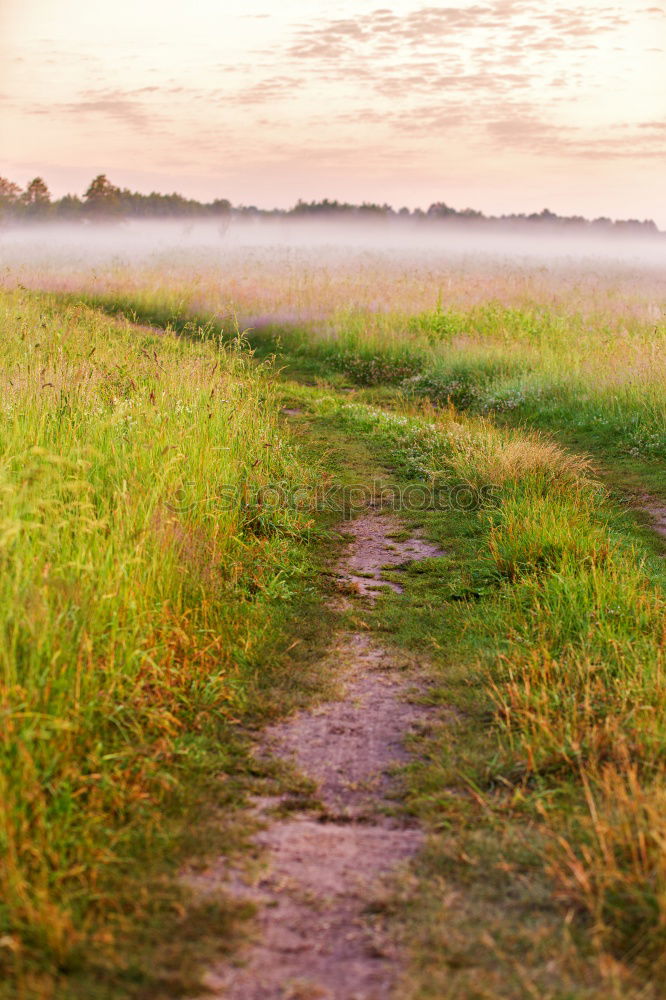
[(502, 105)]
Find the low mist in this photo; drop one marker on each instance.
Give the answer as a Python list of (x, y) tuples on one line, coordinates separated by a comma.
[(97, 243), (287, 271)]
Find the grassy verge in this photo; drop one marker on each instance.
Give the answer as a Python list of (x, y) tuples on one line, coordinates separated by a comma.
[(595, 380), (147, 606), (545, 793), (517, 371)]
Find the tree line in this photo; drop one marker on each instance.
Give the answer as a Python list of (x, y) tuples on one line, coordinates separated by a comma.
[(105, 202), (102, 201)]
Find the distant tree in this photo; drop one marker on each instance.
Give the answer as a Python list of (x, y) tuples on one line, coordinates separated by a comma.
[(470, 213), (10, 194), (102, 199), (221, 210), (440, 210), (371, 208), (325, 207), (575, 220), (36, 198), (221, 207), (545, 215), (636, 226), (69, 207)]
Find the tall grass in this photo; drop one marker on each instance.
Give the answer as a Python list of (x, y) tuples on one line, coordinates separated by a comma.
[(600, 375), (560, 344), (573, 623), (102, 431), (137, 589)]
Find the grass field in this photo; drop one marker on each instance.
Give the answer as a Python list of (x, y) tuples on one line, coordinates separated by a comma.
[(142, 589), (152, 606), (572, 346)]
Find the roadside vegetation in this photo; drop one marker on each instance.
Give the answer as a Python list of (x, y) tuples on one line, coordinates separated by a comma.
[(145, 600), (577, 351), (548, 619), (596, 382), (541, 787), (544, 624)]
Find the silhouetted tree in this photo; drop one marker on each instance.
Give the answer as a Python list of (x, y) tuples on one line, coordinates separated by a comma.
[(9, 192), (69, 207), (36, 199), (440, 210), (102, 199), (9, 198)]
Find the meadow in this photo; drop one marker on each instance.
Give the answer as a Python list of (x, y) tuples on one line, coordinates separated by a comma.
[(145, 623), (140, 589), (542, 332)]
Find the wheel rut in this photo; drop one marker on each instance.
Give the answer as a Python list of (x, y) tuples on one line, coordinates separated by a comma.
[(328, 870)]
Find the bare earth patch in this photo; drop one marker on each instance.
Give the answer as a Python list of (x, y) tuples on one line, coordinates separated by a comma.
[(319, 931), (658, 515), (373, 549), (656, 511)]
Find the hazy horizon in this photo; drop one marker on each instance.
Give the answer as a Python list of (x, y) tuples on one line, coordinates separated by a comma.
[(315, 244)]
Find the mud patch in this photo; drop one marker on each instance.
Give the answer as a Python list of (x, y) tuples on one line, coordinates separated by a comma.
[(325, 871)]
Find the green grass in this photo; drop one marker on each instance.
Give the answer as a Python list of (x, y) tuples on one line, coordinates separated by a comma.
[(595, 380), (146, 602), (521, 366), (547, 622), (545, 645), (544, 623)]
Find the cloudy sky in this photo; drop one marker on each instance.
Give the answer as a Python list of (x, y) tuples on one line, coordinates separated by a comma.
[(505, 105)]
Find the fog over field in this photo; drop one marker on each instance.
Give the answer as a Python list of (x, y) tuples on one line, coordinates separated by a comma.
[(512, 361), (288, 271), (414, 240)]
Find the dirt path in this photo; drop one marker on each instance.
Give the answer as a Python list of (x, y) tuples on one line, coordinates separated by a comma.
[(656, 511), (327, 869)]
